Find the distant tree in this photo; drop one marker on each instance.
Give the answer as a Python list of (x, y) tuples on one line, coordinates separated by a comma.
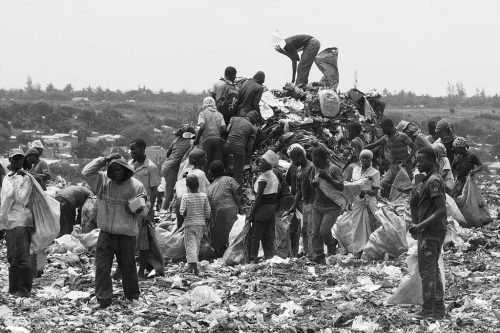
[(68, 89), (29, 85), (24, 138), (50, 88), (139, 131), (86, 150)]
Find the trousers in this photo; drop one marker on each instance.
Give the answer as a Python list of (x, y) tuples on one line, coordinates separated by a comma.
[(306, 60), (307, 229), (192, 239), (68, 216), (213, 149), (429, 250), (389, 177), (239, 156), (170, 175), (263, 230), (323, 220), (123, 247)]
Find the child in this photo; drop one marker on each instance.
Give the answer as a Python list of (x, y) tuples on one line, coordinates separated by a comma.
[(428, 207), (397, 144), (195, 209), (262, 214), (325, 210), (118, 224), (444, 167), (17, 221)]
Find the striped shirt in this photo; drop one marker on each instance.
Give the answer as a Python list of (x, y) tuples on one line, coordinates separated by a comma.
[(196, 208)]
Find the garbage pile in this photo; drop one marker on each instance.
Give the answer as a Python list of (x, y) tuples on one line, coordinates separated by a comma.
[(316, 116)]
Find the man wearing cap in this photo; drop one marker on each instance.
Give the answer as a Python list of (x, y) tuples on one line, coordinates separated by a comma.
[(250, 94), (444, 134), (17, 220), (37, 168), (115, 188)]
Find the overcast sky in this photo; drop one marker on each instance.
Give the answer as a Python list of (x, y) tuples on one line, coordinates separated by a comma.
[(186, 44)]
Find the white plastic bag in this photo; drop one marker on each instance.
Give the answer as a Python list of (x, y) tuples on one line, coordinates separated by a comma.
[(329, 102), (202, 295), (237, 228)]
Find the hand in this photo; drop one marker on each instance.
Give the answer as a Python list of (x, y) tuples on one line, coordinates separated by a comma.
[(112, 156), (362, 194), (414, 230), (279, 49), (290, 211), (240, 211), (127, 209), (322, 174), (472, 173), (196, 142), (150, 217), (407, 161), (314, 183)]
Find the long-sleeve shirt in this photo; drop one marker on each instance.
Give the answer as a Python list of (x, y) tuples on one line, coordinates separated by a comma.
[(15, 194), (113, 198)]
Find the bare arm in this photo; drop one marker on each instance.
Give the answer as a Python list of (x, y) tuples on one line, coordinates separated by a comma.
[(337, 184), (200, 132), (294, 70), (154, 194), (438, 215), (375, 144)]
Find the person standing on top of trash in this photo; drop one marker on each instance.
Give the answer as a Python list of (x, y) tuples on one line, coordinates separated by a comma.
[(465, 164), (241, 136), (195, 209), (250, 95), (175, 153), (414, 133), (17, 221), (431, 127), (211, 131), (225, 93), (444, 134), (72, 198), (398, 145), (309, 46), (41, 167), (325, 209), (428, 212), (147, 173), (115, 188), (262, 214), (304, 196)]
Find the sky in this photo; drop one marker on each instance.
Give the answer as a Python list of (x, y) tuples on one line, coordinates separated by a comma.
[(175, 45)]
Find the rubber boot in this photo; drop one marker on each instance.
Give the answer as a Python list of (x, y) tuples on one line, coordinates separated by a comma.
[(330, 250), (13, 280), (25, 282)]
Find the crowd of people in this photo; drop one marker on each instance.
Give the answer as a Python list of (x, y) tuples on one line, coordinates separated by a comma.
[(207, 195)]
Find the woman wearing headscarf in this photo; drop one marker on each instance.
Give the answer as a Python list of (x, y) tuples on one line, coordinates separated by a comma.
[(175, 153), (262, 214), (444, 167), (365, 205), (224, 194), (465, 164), (212, 128)]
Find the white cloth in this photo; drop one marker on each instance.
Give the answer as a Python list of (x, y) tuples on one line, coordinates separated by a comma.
[(272, 182)]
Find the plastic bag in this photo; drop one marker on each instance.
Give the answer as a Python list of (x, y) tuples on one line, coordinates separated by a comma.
[(46, 213), (401, 181), (202, 295), (389, 238), (353, 229), (409, 290), (329, 102), (282, 239), (237, 251), (326, 61), (352, 189), (65, 243), (174, 247), (336, 196), (453, 211), (89, 240), (89, 215), (474, 207), (237, 228)]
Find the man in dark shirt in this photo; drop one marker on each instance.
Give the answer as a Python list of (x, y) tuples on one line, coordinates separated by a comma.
[(309, 47), (465, 164), (250, 94), (71, 198), (428, 210)]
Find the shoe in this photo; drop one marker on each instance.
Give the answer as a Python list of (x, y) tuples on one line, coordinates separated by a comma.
[(423, 315), (194, 268), (25, 282)]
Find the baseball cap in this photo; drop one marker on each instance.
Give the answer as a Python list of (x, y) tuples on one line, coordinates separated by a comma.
[(15, 151)]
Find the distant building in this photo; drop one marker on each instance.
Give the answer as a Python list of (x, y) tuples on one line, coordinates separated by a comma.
[(111, 138), (81, 100)]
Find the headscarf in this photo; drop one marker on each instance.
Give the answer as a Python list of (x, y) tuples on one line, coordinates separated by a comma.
[(271, 158), (439, 148), (253, 116), (460, 142), (366, 152), (36, 144), (294, 147), (402, 125), (209, 104), (121, 161), (441, 125)]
